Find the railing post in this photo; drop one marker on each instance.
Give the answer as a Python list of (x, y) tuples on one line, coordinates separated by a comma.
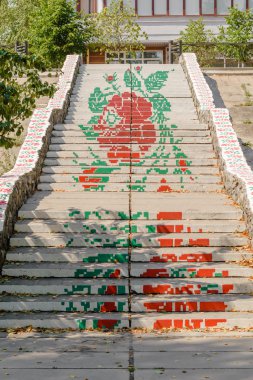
[(169, 52), (180, 47)]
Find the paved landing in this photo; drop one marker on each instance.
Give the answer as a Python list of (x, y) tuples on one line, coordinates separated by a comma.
[(94, 356)]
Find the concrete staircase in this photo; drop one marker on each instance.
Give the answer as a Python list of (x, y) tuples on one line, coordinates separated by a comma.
[(130, 225)]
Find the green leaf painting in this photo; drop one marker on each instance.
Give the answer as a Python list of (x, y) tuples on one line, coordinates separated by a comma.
[(160, 103), (156, 81), (97, 101)]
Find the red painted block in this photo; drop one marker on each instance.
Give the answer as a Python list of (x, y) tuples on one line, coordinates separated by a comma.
[(163, 215)]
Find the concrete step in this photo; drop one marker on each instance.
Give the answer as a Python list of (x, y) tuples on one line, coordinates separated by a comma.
[(135, 115), (183, 206), (64, 286), (117, 156), (184, 126), (181, 149), (191, 304), (107, 304), (218, 199), (112, 227), (122, 241), (189, 240), (190, 254), (192, 286), (84, 91), (80, 132), (142, 163), (105, 139), (120, 255), (70, 240), (179, 206), (70, 304), (64, 321), (192, 321), (185, 270), (115, 188), (134, 178), (63, 270), (78, 104), (69, 255), (175, 118), (138, 270), (118, 321), (202, 170)]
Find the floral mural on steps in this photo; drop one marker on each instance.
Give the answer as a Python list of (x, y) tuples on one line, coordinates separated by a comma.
[(130, 127)]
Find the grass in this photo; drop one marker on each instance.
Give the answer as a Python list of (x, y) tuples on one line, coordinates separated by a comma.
[(248, 96), (248, 144), (8, 159), (246, 122)]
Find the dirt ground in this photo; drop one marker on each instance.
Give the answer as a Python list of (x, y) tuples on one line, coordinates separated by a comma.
[(8, 156), (236, 92)]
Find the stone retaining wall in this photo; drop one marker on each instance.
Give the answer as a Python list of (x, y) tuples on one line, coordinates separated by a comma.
[(236, 173), (20, 182)]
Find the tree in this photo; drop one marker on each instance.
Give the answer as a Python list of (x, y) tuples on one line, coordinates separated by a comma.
[(57, 30), (116, 29), (17, 97), (15, 19), (239, 30), (196, 33)]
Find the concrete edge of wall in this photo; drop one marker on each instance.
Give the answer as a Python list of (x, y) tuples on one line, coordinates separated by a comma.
[(236, 173), (21, 182)]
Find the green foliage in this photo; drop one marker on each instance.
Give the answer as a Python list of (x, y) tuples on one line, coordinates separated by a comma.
[(20, 85), (239, 30), (116, 30), (15, 20), (196, 33), (57, 30)]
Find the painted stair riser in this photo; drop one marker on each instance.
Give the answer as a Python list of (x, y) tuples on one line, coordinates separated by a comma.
[(192, 287), (82, 305), (133, 179), (191, 305), (193, 321), (175, 287), (79, 105), (146, 257), (186, 170), (148, 150), (119, 157), (108, 227), (142, 163), (116, 188), (107, 241), (129, 138), (160, 271), (184, 126), (75, 321), (116, 271), (66, 287), (128, 131), (138, 305), (77, 214), (211, 321)]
